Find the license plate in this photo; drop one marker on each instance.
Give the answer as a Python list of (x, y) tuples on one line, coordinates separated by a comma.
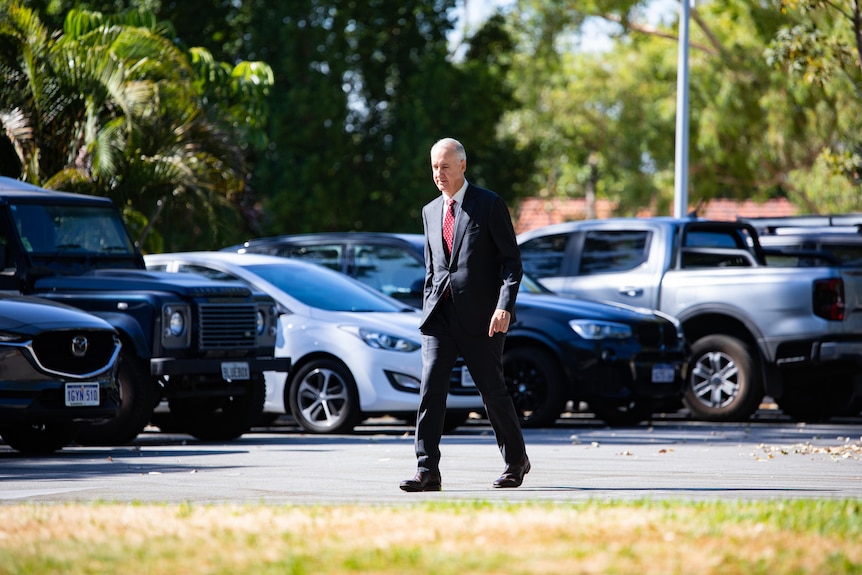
[(466, 378), (662, 373), (82, 394), (231, 370)]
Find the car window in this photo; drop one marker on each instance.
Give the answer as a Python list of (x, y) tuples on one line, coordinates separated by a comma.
[(729, 238), (389, 269), (543, 257), (73, 229), (328, 255), (607, 251), (320, 288), (208, 272), (849, 255)]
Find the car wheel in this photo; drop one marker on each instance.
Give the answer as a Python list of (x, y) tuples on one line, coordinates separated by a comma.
[(802, 401), (40, 438), (323, 397), (535, 383), (724, 382), (623, 414), (139, 394), (221, 418)]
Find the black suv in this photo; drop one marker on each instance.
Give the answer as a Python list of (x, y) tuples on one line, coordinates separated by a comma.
[(625, 363), (200, 344)]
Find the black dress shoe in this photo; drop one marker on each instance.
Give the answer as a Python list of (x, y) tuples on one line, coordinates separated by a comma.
[(423, 481), (513, 476)]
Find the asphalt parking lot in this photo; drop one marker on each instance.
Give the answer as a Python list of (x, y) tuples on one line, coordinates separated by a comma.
[(579, 459)]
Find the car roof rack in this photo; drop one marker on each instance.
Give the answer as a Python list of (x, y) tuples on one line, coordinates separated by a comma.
[(771, 225)]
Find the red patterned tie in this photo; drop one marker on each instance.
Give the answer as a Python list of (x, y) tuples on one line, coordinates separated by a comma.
[(449, 225)]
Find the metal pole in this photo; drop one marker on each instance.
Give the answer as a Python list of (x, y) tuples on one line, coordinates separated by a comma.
[(680, 203)]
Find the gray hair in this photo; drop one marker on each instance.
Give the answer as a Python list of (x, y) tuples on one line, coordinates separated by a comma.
[(455, 144)]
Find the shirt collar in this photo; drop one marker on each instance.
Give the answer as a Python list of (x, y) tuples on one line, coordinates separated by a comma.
[(459, 195)]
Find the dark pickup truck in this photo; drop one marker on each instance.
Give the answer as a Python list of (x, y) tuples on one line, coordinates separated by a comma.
[(201, 345)]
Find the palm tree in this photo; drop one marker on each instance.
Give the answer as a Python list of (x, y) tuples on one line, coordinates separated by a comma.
[(112, 107)]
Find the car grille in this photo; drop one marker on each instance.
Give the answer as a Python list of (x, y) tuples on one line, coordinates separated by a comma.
[(227, 326), (657, 334), (56, 351)]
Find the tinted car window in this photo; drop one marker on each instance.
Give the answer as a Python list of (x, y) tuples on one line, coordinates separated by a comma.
[(388, 269), (543, 257), (76, 229), (613, 251), (714, 239), (328, 255)]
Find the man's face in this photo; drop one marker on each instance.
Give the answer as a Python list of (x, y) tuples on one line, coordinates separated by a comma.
[(447, 170)]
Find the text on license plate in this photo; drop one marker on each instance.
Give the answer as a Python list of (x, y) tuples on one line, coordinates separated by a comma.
[(466, 378), (662, 373), (82, 394), (231, 370)]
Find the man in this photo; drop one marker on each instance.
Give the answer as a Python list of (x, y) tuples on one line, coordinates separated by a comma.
[(468, 305)]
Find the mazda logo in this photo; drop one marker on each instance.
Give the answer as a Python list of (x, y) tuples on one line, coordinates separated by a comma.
[(79, 346)]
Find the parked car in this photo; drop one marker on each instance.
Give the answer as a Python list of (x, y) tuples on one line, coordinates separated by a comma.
[(625, 363), (755, 330), (391, 263), (355, 353), (201, 347), (58, 370)]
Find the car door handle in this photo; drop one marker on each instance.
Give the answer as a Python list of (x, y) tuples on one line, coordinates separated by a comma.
[(631, 291)]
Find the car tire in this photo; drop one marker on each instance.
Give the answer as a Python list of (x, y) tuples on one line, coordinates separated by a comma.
[(38, 439), (139, 394), (323, 399), (535, 383), (222, 418), (724, 382)]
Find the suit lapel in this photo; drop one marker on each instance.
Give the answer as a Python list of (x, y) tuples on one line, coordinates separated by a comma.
[(462, 218), (435, 223)]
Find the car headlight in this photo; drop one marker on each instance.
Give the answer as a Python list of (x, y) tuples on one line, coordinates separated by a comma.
[(381, 340), (596, 329), (261, 321), (175, 326), (7, 337), (176, 323)]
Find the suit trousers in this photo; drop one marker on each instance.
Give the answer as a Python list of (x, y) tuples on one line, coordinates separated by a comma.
[(443, 341)]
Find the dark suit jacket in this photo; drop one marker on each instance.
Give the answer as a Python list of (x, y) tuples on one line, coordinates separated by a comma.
[(484, 271)]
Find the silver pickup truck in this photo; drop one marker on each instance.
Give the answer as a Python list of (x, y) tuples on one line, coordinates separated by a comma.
[(792, 333)]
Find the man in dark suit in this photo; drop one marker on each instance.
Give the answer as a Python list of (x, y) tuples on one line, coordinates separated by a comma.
[(468, 304)]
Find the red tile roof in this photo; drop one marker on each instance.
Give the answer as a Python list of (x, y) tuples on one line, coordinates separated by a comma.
[(537, 212)]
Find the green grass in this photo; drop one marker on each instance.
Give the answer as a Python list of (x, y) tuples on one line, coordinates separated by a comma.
[(479, 537)]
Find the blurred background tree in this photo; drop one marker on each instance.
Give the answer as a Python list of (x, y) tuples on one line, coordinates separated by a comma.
[(318, 115), (110, 105), (606, 117)]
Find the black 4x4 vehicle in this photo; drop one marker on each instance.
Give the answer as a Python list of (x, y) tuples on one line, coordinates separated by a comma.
[(200, 344)]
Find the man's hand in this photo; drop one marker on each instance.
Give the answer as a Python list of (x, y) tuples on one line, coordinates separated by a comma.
[(499, 322)]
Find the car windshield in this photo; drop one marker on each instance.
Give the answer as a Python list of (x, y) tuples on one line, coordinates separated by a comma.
[(529, 285), (325, 289), (71, 229)]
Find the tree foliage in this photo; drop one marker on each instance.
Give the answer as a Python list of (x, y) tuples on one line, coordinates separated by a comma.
[(112, 106), (607, 118), (317, 115)]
